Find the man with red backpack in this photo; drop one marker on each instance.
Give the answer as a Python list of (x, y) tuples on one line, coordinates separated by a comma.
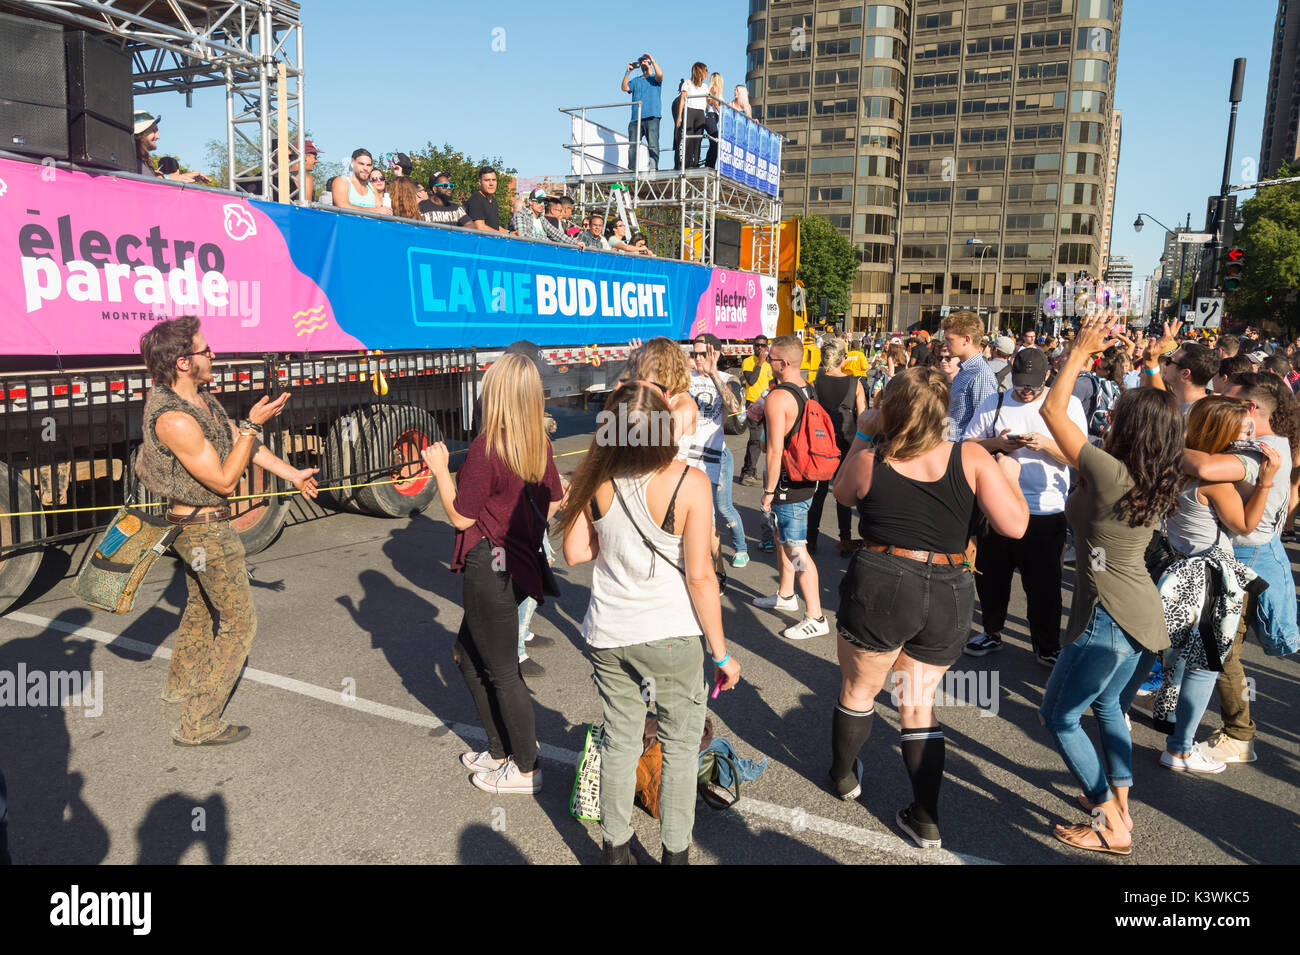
[(801, 450)]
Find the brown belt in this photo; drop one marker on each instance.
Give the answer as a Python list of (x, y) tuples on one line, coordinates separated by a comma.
[(212, 517), (924, 556)]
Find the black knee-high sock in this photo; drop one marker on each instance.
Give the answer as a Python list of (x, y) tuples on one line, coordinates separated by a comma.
[(923, 751), (849, 730)]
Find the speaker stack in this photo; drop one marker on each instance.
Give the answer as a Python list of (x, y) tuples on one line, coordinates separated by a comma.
[(33, 88), (64, 95), (99, 103)]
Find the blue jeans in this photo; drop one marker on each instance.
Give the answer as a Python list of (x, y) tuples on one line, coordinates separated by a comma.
[(1093, 671), (650, 131), (1274, 619), (722, 501), (791, 521), (1196, 688)]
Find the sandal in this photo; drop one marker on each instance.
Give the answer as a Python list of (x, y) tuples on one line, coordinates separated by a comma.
[(1087, 807), (1059, 833), (231, 734)]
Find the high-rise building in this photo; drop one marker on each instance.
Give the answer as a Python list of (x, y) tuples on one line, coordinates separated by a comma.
[(963, 146), (1282, 104), (1112, 174), (1119, 275)]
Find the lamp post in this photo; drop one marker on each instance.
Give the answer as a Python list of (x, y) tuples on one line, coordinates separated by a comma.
[(979, 292), (1182, 252)]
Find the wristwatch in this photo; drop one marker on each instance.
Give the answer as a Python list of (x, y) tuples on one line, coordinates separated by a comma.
[(246, 425)]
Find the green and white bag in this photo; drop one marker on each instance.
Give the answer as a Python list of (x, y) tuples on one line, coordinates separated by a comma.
[(584, 801), (123, 557)]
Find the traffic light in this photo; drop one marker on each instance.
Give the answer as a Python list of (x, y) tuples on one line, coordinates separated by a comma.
[(1232, 272)]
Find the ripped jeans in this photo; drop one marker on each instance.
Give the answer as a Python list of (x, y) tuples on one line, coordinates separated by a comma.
[(722, 500)]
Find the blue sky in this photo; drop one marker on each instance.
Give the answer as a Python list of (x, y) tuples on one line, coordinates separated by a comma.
[(428, 72)]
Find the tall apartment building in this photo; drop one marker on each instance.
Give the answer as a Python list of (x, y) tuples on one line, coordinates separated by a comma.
[(1119, 274), (1112, 175), (1282, 104), (962, 145)]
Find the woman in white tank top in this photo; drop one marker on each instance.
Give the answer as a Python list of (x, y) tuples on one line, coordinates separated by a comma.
[(647, 522)]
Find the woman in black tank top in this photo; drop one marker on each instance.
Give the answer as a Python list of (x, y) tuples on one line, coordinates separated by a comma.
[(907, 599), (843, 398)]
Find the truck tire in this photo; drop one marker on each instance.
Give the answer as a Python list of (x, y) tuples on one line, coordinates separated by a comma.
[(343, 458), (735, 423), (259, 521), (393, 438), (18, 567)]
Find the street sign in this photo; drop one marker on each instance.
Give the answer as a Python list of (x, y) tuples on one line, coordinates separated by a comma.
[(1209, 312), (1194, 238), (943, 311)]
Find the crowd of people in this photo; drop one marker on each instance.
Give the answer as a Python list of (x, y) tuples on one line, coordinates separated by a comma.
[(959, 476)]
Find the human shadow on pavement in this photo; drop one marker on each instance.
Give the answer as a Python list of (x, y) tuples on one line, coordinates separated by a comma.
[(485, 845), (49, 821), (175, 822)]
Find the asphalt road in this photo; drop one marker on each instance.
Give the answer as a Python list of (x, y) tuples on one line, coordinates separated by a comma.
[(359, 716)]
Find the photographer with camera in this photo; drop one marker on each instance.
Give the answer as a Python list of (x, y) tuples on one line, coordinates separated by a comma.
[(645, 89)]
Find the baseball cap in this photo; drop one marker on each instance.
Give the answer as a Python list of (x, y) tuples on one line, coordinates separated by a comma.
[(143, 120), (538, 195), (529, 350), (1029, 368), (1004, 344), (310, 148)]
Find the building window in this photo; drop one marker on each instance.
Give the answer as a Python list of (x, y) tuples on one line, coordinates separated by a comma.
[(883, 77), (793, 166), (1072, 253), (879, 15), (1083, 132), (982, 16), (877, 196), (1091, 71), (830, 164), (936, 51), (881, 106), (841, 220), (940, 137), (873, 223), (840, 46), (827, 107), (780, 54), (829, 193), (784, 25), (984, 134), (881, 47), (1044, 8), (926, 81), (835, 77), (1096, 39), (883, 166), (972, 164), (991, 44), (878, 136), (758, 31), (1040, 131), (976, 223), (1078, 223), (1083, 164), (1036, 161), (1087, 101), (785, 82), (1044, 71), (939, 108), (913, 224), (933, 21), (836, 135), (1027, 191), (1024, 221), (1100, 9), (980, 194), (1028, 101), (880, 253), (757, 6), (1027, 250), (988, 74), (835, 18), (787, 110), (921, 283), (1045, 40), (753, 61), (922, 251), (938, 194), (992, 104)]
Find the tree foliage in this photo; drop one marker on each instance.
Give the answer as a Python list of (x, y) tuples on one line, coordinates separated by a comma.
[(827, 265), (1270, 239), (464, 173)]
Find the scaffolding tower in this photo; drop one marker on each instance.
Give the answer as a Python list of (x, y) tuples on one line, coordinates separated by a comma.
[(678, 208), (252, 48)]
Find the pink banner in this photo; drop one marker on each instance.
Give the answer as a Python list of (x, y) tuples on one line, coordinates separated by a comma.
[(96, 266), (731, 306)]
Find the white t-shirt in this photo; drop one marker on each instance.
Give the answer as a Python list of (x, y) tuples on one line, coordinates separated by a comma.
[(1279, 495), (703, 449), (694, 97), (1044, 481)]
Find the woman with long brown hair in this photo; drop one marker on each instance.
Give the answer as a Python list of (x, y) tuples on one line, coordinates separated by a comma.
[(405, 198), (1126, 487), (1200, 530), (907, 598), (507, 489), (647, 521)]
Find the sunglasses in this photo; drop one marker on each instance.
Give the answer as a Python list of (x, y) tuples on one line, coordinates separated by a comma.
[(376, 178), (442, 185), (207, 352), (699, 354)]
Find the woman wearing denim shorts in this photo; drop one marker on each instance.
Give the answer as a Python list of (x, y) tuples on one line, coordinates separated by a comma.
[(647, 522), (907, 598), (1126, 487)]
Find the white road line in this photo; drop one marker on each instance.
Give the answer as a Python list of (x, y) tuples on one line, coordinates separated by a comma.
[(796, 819)]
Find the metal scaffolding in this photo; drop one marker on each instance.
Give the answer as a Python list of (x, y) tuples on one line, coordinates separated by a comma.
[(678, 208), (252, 48)]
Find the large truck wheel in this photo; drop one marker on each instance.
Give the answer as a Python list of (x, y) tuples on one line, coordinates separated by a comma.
[(17, 567), (343, 458), (392, 439), (735, 423), (259, 521)]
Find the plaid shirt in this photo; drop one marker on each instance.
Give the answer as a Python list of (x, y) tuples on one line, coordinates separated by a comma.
[(974, 383), (555, 235), (525, 223)]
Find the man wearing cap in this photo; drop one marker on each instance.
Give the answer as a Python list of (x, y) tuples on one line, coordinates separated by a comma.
[(528, 220), (1004, 346), (644, 89), (146, 141), (299, 184), (1011, 423)]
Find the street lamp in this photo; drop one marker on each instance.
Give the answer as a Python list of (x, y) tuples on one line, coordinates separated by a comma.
[(979, 292), (1182, 252)]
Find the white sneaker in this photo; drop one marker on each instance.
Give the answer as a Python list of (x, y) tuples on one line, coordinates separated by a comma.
[(806, 628), (1223, 747), (777, 602), (480, 762), (1194, 762), (508, 779)]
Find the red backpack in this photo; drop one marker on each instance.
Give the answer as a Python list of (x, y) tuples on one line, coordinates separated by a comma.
[(812, 453)]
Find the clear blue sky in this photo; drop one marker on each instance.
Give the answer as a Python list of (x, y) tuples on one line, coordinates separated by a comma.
[(428, 72)]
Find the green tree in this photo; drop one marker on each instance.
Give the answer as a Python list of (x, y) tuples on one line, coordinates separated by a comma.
[(1270, 239), (249, 157), (827, 265), (464, 173)]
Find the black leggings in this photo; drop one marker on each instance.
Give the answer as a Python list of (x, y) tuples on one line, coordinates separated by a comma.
[(488, 655)]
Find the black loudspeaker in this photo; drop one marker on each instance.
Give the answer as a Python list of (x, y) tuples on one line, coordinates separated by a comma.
[(94, 142), (99, 79), (33, 129), (32, 62), (726, 244)]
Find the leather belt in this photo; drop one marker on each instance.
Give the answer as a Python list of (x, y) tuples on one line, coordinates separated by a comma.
[(924, 556), (212, 517)]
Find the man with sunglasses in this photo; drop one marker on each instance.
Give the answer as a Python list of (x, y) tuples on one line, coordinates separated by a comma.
[(708, 450), (1185, 370), (194, 456), (440, 207), (1011, 423), (528, 220)]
